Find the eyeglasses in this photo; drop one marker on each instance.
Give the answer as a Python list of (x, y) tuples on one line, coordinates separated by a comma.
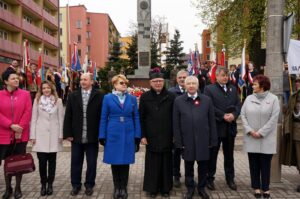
[(122, 83), (157, 81)]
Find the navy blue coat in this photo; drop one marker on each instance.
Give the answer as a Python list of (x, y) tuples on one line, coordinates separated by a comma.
[(194, 126), (119, 126), (224, 102)]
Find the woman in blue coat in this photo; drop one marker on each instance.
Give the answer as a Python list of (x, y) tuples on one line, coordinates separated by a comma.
[(119, 133)]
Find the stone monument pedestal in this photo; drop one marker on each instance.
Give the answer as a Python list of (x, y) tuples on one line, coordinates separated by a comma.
[(140, 78)]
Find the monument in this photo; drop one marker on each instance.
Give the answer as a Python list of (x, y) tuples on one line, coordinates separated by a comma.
[(144, 43)]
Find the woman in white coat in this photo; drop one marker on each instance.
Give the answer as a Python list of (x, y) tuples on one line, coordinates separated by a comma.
[(46, 132), (260, 116)]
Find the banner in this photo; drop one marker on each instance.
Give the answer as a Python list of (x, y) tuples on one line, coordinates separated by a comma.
[(293, 57)]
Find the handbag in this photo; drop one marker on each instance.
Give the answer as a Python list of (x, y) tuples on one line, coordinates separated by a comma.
[(18, 164)]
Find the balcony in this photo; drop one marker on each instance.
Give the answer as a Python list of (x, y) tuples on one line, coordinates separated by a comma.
[(54, 2), (51, 40), (51, 60), (30, 4), (10, 18), (33, 54), (31, 29), (50, 18), (10, 47)]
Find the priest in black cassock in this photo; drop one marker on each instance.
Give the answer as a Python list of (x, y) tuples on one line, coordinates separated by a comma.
[(156, 106)]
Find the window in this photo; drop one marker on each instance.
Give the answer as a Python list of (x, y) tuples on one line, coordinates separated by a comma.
[(88, 48), (47, 30), (79, 52), (46, 51), (60, 17), (207, 57), (88, 21), (208, 44), (78, 38), (47, 10), (60, 45), (28, 19), (88, 34), (60, 31), (3, 5), (78, 24), (3, 35)]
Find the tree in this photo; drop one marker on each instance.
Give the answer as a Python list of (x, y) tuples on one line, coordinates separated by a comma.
[(174, 52), (155, 57), (114, 61), (132, 53), (238, 20)]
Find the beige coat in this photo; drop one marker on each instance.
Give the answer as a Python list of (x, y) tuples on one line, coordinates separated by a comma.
[(47, 128), (261, 117)]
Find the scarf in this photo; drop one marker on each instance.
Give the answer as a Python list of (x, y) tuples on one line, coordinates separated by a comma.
[(47, 103), (261, 96), (121, 96)]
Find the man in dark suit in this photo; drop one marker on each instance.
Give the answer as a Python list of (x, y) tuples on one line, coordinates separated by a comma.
[(81, 127), (195, 132), (178, 90), (227, 109)]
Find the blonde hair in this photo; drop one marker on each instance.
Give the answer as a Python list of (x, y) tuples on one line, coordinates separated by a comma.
[(40, 90), (116, 78)]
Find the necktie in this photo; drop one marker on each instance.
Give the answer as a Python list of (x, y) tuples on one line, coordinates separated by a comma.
[(225, 88)]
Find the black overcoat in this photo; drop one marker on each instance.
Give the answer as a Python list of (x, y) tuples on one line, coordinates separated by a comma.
[(194, 126), (73, 121), (156, 120)]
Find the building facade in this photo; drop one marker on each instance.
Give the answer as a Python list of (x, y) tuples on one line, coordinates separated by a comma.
[(206, 45), (94, 34), (34, 20)]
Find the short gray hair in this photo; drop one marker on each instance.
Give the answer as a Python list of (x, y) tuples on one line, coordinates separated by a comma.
[(182, 71), (220, 69), (191, 78)]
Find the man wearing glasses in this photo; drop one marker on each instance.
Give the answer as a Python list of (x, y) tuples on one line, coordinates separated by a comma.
[(156, 108), (178, 90)]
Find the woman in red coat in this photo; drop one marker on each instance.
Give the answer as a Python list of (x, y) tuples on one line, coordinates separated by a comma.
[(15, 115)]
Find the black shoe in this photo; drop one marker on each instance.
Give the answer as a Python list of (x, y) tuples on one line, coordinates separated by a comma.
[(123, 193), (211, 185), (298, 188), (165, 194), (266, 195), (176, 182), (232, 185), (49, 190), (8, 193), (153, 195), (257, 195), (89, 191), (43, 190), (116, 193), (202, 193), (189, 194), (18, 193), (75, 191)]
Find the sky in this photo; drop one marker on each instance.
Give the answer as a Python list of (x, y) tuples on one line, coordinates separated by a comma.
[(179, 14)]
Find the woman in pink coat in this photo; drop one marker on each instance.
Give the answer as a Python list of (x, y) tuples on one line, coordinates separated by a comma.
[(15, 115)]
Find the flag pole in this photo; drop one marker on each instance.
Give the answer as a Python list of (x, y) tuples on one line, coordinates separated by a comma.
[(290, 83)]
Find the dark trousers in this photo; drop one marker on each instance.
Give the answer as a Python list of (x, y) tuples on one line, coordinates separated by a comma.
[(47, 161), (260, 168), (176, 156), (189, 174), (228, 150), (120, 175), (77, 156)]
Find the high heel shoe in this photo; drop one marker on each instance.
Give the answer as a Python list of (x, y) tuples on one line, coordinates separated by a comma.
[(43, 190), (18, 193), (8, 193), (49, 189), (266, 195)]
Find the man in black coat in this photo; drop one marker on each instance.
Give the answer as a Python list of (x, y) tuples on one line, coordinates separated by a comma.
[(156, 108), (178, 90), (194, 133), (227, 109), (81, 128)]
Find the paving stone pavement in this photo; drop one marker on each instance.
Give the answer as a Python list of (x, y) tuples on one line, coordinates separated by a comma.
[(104, 184)]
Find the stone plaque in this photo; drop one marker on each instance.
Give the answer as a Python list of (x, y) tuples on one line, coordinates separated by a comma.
[(144, 58)]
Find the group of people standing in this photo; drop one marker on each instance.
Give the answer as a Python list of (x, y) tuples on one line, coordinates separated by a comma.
[(181, 122)]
